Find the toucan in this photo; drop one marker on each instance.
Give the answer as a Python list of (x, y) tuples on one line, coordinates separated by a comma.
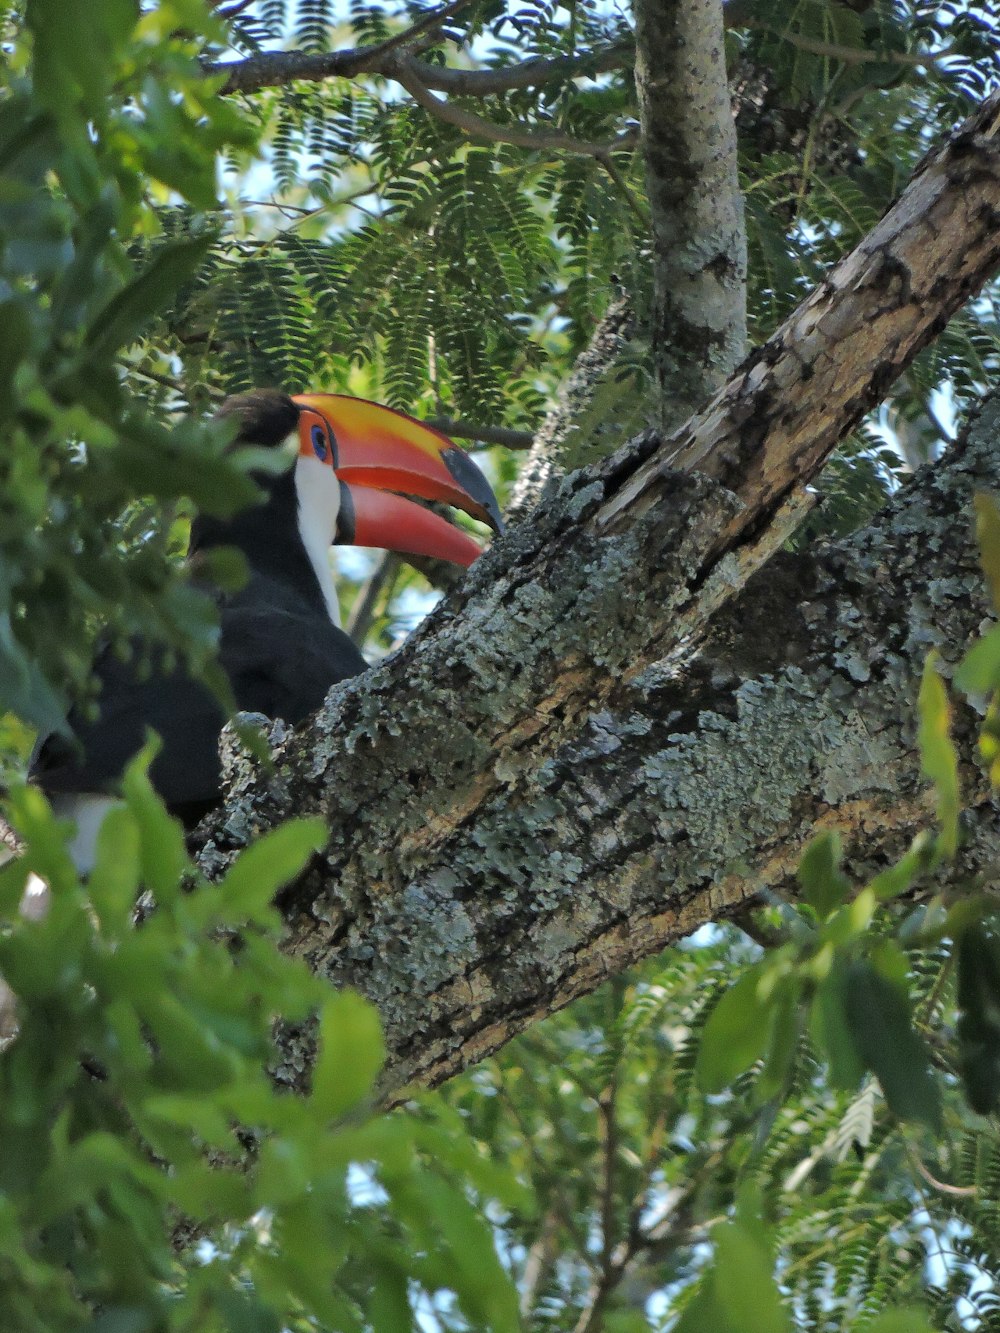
[(281, 644)]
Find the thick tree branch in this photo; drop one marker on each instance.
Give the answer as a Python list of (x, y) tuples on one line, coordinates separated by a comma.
[(551, 780), (699, 239), (275, 69)]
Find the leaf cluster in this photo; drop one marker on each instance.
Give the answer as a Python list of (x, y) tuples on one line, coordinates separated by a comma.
[(154, 1175), (88, 137)]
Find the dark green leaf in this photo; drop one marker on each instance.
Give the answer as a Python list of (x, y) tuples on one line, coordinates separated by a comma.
[(878, 1015), (736, 1033), (128, 312), (937, 752)]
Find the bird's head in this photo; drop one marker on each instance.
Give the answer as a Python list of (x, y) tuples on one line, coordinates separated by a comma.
[(359, 461)]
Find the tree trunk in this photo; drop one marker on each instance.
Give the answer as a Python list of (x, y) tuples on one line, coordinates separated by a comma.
[(699, 242)]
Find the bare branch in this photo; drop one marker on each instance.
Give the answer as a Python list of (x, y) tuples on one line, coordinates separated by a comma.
[(955, 1191), (529, 74), (424, 26), (847, 55), (404, 73), (470, 430), (552, 450), (363, 611), (277, 68)]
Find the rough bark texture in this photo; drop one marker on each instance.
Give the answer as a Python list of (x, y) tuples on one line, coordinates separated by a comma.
[(696, 205), (472, 887), (560, 773), (551, 451)]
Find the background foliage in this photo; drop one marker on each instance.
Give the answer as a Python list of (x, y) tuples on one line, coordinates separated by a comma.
[(649, 1158)]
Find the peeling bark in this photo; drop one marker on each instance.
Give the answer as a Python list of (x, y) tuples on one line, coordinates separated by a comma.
[(605, 737)]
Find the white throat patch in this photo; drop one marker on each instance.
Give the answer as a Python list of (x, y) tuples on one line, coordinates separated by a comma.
[(318, 492)]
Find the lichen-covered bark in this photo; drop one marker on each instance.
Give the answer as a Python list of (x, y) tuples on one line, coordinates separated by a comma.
[(606, 736), (473, 885), (552, 452), (699, 241)]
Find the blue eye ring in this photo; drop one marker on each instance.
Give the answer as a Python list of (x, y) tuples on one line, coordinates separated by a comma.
[(319, 444)]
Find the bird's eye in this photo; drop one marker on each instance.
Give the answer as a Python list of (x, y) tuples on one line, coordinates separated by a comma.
[(319, 443)]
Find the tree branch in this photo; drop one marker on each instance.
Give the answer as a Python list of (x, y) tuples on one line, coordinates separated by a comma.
[(528, 74), (429, 23), (470, 430), (404, 72), (363, 611), (274, 69), (847, 55), (552, 449), (551, 780)]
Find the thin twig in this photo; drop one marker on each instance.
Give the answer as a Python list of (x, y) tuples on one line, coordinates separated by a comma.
[(430, 22), (363, 611), (848, 55), (636, 207), (538, 1262), (168, 381), (471, 430), (955, 1191)]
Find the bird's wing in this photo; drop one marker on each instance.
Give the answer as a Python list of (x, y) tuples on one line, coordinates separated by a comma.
[(279, 663), (181, 710)]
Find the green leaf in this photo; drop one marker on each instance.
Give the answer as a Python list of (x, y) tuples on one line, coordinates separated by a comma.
[(163, 853), (113, 882), (351, 1053), (878, 1015), (979, 670), (938, 755), (979, 1015), (831, 1029), (73, 60), (15, 345), (128, 312), (823, 883), (784, 1034), (988, 535), (901, 877), (744, 1278), (264, 867), (738, 1294), (736, 1033), (900, 1321)]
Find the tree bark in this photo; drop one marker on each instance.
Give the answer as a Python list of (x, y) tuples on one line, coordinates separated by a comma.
[(606, 738), (699, 240)]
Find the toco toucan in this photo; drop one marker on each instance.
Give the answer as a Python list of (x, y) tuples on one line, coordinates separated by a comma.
[(281, 642)]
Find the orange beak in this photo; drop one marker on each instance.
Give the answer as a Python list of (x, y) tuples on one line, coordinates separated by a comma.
[(380, 456)]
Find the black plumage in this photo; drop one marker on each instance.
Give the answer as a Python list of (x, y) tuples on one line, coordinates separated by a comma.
[(278, 647)]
